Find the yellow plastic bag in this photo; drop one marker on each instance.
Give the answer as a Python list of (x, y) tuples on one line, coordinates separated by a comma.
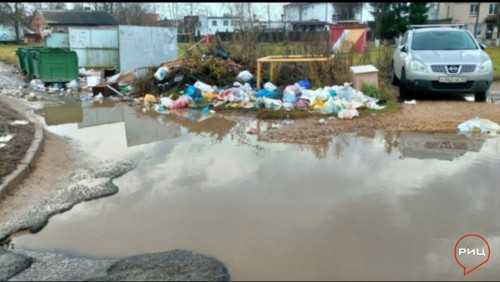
[(149, 99)]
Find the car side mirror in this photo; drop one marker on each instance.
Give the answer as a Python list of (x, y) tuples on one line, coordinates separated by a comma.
[(482, 46)]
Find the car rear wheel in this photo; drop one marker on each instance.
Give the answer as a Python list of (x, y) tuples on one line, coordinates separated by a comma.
[(404, 91), (394, 78), (480, 96)]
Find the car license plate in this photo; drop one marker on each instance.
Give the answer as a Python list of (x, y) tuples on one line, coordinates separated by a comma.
[(453, 79)]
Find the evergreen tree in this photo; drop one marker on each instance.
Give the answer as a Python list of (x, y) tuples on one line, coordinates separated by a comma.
[(417, 13), (392, 19)]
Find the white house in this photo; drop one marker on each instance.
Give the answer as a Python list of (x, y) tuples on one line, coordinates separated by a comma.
[(210, 25)]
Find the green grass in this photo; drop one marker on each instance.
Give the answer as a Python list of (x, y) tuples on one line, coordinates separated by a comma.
[(494, 53), (8, 52)]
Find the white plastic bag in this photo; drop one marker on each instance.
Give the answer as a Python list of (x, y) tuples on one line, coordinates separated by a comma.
[(244, 76), (161, 73), (348, 114), (203, 86), (479, 124), (269, 86), (166, 102), (272, 103)]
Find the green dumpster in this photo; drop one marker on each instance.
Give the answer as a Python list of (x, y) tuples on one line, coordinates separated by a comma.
[(21, 53), (26, 55), (53, 64)]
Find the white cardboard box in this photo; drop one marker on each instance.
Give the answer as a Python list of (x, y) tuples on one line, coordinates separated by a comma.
[(364, 74)]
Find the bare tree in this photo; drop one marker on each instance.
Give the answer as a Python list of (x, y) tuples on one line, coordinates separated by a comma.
[(13, 13), (78, 6), (132, 13)]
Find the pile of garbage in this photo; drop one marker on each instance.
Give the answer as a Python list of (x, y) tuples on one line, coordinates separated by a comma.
[(214, 84), (95, 87), (342, 100)]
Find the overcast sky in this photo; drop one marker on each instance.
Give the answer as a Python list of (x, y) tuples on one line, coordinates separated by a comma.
[(217, 9)]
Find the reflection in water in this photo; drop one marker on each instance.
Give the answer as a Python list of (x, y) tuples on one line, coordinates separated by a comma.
[(147, 127), (68, 110), (356, 207)]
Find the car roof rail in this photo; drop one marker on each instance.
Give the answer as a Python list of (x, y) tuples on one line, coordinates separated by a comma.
[(415, 26)]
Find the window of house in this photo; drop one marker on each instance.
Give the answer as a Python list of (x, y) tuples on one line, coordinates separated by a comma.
[(493, 9), (225, 23), (214, 23), (473, 9)]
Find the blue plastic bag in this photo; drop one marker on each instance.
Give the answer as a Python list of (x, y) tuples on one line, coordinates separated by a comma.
[(265, 93), (305, 84), (193, 92)]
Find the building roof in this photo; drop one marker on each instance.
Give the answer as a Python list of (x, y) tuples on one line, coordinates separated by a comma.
[(296, 4), (78, 17), (309, 23)]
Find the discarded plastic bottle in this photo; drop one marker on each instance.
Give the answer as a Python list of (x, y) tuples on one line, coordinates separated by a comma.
[(347, 92), (288, 122)]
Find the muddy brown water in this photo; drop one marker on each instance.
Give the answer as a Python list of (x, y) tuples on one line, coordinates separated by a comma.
[(364, 206)]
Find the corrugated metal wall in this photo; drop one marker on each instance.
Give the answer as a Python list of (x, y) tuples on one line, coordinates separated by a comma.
[(59, 40), (95, 47), (125, 47), (145, 46)]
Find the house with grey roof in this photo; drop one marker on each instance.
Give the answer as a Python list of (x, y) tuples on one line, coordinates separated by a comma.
[(60, 20)]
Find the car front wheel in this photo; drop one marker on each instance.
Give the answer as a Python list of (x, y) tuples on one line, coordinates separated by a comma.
[(394, 78), (404, 91), (480, 96)]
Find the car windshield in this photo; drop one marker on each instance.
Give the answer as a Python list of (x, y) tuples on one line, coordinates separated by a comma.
[(443, 40)]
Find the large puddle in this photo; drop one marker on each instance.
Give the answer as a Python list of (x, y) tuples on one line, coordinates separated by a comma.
[(365, 206)]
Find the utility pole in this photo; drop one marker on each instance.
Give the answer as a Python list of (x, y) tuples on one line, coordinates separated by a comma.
[(477, 19), (498, 23)]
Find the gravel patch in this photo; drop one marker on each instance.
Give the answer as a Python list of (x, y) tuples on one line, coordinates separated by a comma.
[(176, 265), (11, 264), (51, 266)]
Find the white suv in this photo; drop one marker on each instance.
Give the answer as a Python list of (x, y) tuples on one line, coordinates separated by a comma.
[(441, 59)]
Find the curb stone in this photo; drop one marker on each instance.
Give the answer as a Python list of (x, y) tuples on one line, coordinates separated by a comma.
[(27, 164)]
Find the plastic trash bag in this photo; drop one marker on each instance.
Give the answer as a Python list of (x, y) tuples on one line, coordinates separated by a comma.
[(272, 103), (193, 92), (244, 76), (269, 86), (479, 125), (289, 98), (288, 106), (265, 93), (302, 104), (292, 89), (166, 102), (161, 73), (304, 84), (203, 86), (348, 114)]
